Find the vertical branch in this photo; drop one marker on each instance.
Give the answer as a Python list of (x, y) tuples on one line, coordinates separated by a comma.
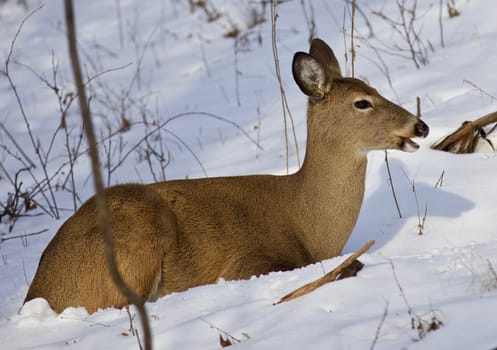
[(421, 221), (284, 102), (408, 26), (120, 24), (391, 185), (71, 160), (440, 22), (311, 23), (102, 209), (364, 18), (418, 107), (344, 31), (378, 329), (237, 72), (352, 48)]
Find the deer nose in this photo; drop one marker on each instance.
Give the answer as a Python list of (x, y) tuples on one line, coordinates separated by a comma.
[(422, 129)]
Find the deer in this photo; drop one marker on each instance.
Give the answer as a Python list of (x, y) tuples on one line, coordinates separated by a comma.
[(174, 235)]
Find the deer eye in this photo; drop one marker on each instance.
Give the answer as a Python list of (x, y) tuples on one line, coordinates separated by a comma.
[(362, 104)]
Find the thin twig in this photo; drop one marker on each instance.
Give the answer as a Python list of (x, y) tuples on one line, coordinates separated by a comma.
[(311, 23), (352, 47), (221, 331), (329, 277), (418, 107), (492, 270), (237, 71), (52, 203), (479, 89), (19, 148), (421, 221), (92, 323), (284, 102), (440, 23), (404, 27), (380, 63), (440, 180), (3, 239), (344, 31), (390, 180), (378, 329), (103, 213), (410, 311), (120, 24), (181, 115), (417, 323), (26, 279), (364, 17)]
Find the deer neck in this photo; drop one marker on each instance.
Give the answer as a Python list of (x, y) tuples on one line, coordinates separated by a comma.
[(330, 189)]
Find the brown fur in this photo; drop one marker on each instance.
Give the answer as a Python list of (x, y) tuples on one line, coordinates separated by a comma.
[(174, 235)]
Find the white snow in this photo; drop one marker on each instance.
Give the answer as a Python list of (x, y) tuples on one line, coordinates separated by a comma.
[(172, 61)]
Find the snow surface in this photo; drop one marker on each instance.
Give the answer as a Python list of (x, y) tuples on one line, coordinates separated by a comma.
[(172, 61)]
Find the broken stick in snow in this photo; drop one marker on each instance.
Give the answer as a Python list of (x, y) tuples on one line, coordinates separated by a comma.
[(350, 262)]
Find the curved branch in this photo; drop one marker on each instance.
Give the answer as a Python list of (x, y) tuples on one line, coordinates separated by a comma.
[(102, 209)]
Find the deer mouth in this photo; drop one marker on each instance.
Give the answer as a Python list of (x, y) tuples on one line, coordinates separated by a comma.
[(408, 145), (405, 143)]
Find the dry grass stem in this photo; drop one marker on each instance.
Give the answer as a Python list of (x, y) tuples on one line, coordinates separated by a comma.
[(352, 45), (284, 102), (440, 180), (392, 187), (417, 323), (378, 329)]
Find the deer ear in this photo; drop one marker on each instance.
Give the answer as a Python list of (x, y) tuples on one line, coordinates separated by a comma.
[(310, 75), (324, 54)]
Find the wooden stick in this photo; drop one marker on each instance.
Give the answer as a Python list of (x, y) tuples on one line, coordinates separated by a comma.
[(329, 277)]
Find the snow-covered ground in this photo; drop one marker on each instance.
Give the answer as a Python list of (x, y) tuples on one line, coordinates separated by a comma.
[(162, 62)]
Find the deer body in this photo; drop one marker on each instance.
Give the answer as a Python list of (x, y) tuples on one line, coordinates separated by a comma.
[(174, 235)]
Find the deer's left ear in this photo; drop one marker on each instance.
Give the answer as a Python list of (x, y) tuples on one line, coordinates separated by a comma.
[(310, 75)]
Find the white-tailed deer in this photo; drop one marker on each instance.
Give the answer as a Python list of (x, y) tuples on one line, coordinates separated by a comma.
[(174, 235)]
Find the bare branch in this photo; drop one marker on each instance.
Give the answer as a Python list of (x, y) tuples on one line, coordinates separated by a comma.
[(36, 147), (102, 209)]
